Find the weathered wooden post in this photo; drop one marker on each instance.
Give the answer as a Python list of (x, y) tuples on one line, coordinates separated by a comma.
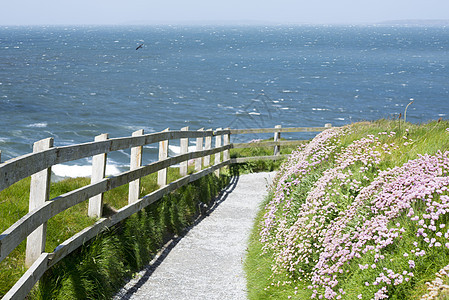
[(218, 154), (39, 194), (136, 162), (199, 147), (207, 146), (277, 138), (184, 148), (95, 209), (163, 154), (226, 140)]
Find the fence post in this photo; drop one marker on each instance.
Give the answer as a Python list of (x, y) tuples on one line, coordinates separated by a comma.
[(39, 194), (163, 154), (218, 154), (199, 147), (226, 138), (136, 162), (207, 146), (95, 209), (277, 138), (184, 148)]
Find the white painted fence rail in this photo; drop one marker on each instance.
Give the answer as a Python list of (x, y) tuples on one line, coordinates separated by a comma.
[(38, 164)]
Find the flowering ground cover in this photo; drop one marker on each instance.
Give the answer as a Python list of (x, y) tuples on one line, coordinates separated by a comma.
[(360, 212)]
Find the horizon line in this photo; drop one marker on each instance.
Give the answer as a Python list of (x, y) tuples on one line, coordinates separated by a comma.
[(404, 22)]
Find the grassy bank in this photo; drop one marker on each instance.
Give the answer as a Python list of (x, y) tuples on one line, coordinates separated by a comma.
[(360, 212), (96, 270), (259, 165)]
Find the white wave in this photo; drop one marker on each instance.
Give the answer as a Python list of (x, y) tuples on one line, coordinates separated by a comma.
[(38, 125), (254, 113), (175, 150), (73, 171), (17, 133), (319, 109)]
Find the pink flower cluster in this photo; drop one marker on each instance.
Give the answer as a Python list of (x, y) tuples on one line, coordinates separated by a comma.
[(299, 164), (350, 216)]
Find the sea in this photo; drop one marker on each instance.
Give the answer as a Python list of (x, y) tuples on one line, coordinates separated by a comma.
[(75, 82)]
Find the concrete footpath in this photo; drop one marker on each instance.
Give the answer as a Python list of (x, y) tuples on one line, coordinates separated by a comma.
[(207, 262)]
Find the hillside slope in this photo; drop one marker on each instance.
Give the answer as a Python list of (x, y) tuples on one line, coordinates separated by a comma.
[(361, 212)]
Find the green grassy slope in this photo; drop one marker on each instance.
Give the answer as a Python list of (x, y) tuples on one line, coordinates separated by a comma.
[(360, 212)]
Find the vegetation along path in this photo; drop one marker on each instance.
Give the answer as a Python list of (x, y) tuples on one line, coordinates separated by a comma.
[(207, 263)]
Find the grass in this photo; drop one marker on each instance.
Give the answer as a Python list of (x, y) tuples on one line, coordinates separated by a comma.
[(259, 165), (265, 264), (261, 283)]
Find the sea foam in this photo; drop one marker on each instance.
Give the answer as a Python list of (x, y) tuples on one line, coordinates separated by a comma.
[(38, 125), (64, 171), (176, 150)]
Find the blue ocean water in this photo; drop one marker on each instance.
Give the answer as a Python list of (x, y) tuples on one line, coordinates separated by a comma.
[(73, 83)]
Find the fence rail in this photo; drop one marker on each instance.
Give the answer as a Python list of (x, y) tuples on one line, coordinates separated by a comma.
[(38, 165)]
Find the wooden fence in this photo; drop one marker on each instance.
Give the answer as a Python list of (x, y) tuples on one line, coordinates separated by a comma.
[(32, 226)]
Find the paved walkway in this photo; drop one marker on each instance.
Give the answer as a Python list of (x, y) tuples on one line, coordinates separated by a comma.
[(207, 263)]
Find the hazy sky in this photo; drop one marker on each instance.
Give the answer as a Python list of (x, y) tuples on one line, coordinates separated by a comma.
[(28, 12)]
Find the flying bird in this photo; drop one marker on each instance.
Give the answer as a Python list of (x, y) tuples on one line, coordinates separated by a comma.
[(140, 46)]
